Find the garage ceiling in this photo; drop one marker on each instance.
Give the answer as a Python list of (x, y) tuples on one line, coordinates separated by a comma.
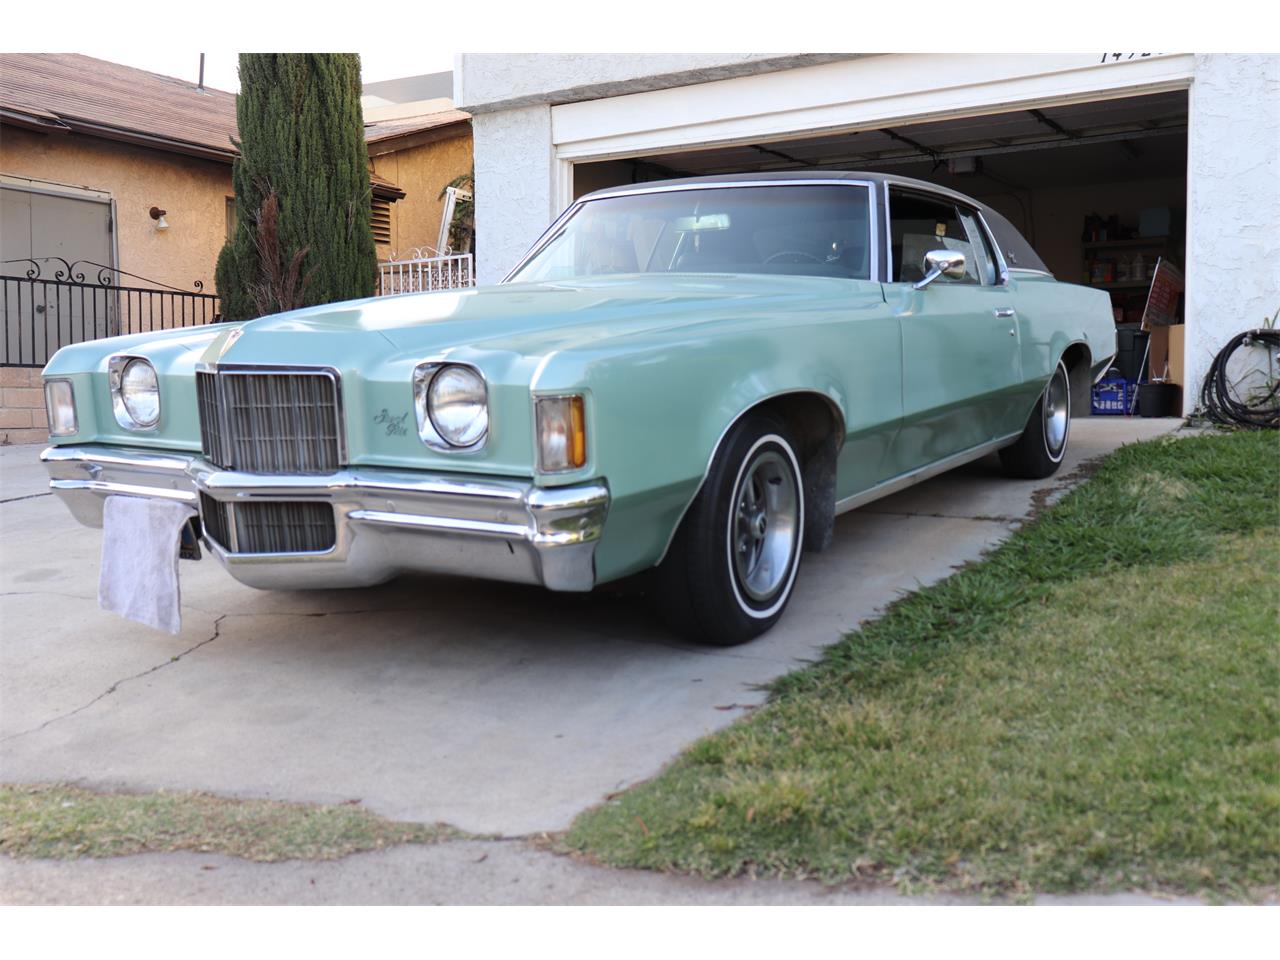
[(1134, 137)]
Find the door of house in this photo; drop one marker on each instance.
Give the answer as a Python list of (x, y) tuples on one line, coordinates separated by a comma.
[(54, 230)]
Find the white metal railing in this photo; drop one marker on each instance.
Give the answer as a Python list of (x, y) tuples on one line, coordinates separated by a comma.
[(447, 272)]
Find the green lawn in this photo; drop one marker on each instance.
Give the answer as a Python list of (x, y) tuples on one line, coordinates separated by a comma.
[(63, 822), (1092, 706)]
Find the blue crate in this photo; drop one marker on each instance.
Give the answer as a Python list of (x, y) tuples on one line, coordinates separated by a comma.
[(1113, 396)]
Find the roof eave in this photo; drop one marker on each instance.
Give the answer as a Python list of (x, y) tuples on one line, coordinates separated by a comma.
[(387, 191), (395, 142), (104, 131), (29, 121)]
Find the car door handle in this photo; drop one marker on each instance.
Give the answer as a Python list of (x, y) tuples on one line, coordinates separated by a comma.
[(1005, 312)]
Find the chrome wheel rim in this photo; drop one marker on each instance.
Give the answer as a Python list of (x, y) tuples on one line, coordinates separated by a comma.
[(1057, 412), (764, 525)]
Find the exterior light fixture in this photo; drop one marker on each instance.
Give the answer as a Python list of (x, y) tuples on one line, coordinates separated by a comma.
[(158, 216)]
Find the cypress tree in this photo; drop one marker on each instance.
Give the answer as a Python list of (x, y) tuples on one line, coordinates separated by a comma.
[(301, 182)]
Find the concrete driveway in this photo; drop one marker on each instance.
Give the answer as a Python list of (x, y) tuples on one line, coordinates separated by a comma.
[(498, 709)]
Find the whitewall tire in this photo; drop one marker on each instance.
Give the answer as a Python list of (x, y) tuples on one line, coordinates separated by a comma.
[(732, 566)]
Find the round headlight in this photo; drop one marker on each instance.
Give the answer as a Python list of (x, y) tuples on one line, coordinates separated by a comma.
[(140, 392), (458, 405)]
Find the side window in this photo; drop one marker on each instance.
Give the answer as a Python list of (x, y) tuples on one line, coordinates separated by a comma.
[(984, 259), (918, 224)]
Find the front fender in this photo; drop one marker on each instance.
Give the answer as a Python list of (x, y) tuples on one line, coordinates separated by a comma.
[(658, 408), (174, 353)]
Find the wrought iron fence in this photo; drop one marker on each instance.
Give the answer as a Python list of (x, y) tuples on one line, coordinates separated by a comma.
[(43, 313), (419, 274)]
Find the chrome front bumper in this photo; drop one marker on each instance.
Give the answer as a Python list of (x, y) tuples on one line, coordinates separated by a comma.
[(387, 521)]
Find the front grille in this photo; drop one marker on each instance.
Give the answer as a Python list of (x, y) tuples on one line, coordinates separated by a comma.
[(270, 422), (210, 418), (269, 526)]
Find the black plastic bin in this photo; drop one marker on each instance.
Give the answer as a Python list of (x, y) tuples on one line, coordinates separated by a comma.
[(1158, 399), (1131, 350)]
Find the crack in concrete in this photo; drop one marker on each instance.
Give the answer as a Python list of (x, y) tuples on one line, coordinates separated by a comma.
[(30, 496), (217, 630), (45, 593), (979, 518)]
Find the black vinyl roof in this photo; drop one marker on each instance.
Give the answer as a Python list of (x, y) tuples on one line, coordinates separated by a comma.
[(1018, 254)]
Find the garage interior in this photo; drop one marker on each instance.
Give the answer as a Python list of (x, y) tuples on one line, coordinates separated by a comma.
[(1099, 188)]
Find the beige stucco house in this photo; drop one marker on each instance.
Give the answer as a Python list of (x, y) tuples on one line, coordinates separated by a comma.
[(421, 154), (103, 165)]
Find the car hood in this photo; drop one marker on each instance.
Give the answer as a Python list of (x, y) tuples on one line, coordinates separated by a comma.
[(534, 318)]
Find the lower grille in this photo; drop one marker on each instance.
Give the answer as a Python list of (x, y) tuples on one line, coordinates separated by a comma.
[(270, 422), (215, 517), (269, 526)]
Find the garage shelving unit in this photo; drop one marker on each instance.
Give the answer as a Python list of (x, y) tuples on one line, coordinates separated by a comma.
[(1129, 294)]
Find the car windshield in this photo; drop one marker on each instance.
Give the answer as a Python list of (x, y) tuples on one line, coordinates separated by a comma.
[(810, 230)]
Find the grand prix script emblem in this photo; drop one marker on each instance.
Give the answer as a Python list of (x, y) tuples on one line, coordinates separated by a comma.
[(396, 426)]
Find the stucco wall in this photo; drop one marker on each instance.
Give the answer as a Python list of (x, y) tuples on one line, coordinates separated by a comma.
[(422, 173), (193, 191), (513, 186), (1233, 204)]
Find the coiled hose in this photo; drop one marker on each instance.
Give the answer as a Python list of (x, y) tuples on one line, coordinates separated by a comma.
[(1218, 400)]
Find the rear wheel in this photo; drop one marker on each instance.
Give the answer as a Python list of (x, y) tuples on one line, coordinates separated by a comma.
[(730, 570), (1039, 451)]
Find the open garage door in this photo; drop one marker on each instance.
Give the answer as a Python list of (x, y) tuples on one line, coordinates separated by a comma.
[(1098, 188)]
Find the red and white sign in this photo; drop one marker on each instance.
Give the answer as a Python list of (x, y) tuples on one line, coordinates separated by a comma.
[(1162, 301)]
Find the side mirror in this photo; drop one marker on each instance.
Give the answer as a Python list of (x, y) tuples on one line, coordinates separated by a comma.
[(941, 263)]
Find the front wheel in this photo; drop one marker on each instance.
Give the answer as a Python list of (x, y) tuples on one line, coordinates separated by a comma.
[(731, 567), (1039, 451)]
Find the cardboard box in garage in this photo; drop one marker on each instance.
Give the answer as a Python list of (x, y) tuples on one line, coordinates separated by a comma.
[(1167, 346)]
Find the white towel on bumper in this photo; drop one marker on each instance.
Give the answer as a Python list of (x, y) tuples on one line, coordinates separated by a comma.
[(139, 578)]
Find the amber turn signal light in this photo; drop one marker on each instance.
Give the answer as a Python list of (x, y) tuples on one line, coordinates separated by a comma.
[(562, 433)]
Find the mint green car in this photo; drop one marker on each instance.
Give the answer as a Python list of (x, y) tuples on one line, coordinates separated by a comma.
[(691, 377)]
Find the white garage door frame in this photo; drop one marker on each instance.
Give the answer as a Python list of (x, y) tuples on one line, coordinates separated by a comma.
[(845, 97), (868, 93)]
